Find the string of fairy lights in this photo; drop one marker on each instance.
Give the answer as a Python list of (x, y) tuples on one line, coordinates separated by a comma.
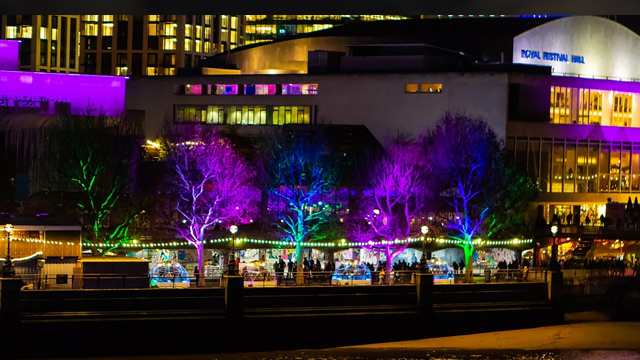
[(42, 241), (336, 243)]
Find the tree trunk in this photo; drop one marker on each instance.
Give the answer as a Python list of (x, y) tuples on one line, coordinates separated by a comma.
[(388, 265), (299, 265), (200, 250), (468, 252)]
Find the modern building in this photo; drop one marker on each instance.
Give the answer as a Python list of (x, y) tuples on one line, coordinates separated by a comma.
[(563, 95), (264, 28), (120, 44), (48, 43), (154, 44)]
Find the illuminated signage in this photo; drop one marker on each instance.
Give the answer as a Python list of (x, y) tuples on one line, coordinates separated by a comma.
[(551, 56), (31, 102)]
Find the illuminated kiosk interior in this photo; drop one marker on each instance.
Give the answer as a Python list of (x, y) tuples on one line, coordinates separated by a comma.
[(351, 272), (168, 273)]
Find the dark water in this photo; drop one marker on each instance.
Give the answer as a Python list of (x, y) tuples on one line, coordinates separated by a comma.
[(442, 355)]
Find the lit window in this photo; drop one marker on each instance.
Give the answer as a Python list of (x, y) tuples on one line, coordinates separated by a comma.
[(92, 18), (169, 71), (107, 18), (12, 32), (234, 36), (198, 31), (207, 33), (207, 19), (107, 29), (153, 29), (89, 29), (122, 70), (430, 88), (224, 89), (54, 34), (193, 89), (170, 29), (223, 21), (299, 89), (152, 71), (43, 33), (234, 22), (260, 89), (411, 88), (207, 47), (153, 18), (26, 31), (169, 44), (198, 46), (187, 45), (187, 30)]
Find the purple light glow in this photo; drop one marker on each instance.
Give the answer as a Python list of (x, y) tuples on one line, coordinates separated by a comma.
[(9, 50), (85, 93)]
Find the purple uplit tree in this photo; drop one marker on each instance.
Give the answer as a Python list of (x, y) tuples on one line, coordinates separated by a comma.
[(213, 185), (300, 173), (385, 217), (479, 192)]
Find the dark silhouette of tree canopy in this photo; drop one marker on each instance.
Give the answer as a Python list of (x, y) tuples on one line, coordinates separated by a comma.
[(95, 158), (478, 192)]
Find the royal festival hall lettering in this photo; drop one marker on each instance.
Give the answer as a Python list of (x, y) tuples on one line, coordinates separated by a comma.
[(551, 56)]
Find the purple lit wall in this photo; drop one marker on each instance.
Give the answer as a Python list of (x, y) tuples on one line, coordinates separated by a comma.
[(48, 93), (9, 50)]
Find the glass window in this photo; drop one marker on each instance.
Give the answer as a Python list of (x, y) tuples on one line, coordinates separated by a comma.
[(621, 110), (90, 29), (299, 89), (635, 168), (569, 168), (169, 44), (557, 167), (193, 89), (187, 45), (615, 167), (625, 168), (431, 88), (581, 167), (187, 30), (260, 89), (545, 167), (11, 32), (411, 88), (560, 112), (604, 167), (226, 89), (592, 170)]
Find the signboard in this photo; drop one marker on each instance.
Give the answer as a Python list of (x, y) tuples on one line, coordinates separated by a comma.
[(586, 46), (52, 93)]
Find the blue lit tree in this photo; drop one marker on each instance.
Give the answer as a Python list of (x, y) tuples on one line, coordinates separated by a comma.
[(299, 174), (385, 217), (213, 184), (480, 192)]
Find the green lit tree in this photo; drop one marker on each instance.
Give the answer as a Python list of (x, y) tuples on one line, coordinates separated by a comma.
[(92, 160), (478, 192), (300, 173)]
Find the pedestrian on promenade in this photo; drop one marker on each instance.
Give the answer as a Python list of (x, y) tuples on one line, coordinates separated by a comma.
[(196, 273)]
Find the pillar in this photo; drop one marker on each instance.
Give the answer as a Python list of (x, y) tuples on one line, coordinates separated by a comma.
[(233, 295), (556, 286), (424, 291)]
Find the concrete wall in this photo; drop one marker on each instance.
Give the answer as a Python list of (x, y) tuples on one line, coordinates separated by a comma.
[(608, 48), (378, 101)]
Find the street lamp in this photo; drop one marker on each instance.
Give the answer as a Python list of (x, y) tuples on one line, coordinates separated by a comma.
[(7, 267), (232, 261), (423, 259), (554, 266)]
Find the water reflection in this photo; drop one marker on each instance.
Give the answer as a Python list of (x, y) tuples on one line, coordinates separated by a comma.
[(448, 355)]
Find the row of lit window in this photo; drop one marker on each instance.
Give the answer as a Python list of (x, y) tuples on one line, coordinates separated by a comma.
[(243, 114), (423, 88), (589, 105), (248, 89)]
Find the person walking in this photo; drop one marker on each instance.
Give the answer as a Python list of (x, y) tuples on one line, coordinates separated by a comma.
[(196, 274)]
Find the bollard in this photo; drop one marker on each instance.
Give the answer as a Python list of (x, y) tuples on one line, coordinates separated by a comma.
[(556, 285), (487, 275), (424, 292), (233, 294)]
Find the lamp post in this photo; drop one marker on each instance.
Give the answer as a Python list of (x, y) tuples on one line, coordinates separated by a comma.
[(423, 259), (232, 260), (7, 267), (554, 266)]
